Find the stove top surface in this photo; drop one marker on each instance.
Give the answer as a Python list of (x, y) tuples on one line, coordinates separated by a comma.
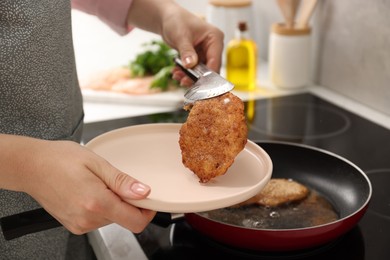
[(300, 118), (186, 243)]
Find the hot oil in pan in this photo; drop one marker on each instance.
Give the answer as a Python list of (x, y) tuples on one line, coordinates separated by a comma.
[(314, 210)]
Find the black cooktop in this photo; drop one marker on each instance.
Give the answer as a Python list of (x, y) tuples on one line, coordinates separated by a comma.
[(301, 118)]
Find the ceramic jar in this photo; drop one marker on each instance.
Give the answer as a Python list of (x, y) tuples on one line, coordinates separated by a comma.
[(289, 56)]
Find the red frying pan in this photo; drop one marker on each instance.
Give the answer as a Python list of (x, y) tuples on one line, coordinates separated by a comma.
[(341, 182)]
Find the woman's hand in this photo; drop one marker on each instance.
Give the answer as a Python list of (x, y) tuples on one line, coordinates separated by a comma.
[(76, 186), (195, 39)]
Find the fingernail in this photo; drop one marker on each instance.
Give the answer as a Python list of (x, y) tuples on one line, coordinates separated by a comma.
[(139, 188), (188, 60)]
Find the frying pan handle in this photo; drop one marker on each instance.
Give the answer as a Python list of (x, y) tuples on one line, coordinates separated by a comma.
[(36, 220), (200, 70), (164, 219), (28, 222)]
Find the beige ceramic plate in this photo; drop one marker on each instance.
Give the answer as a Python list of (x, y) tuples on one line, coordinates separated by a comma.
[(151, 154)]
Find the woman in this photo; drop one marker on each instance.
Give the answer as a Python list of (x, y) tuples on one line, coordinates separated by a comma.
[(41, 118)]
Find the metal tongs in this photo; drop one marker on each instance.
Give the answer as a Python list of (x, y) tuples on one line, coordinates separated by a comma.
[(208, 84)]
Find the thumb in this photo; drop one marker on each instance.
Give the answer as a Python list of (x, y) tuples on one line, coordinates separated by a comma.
[(124, 185), (128, 187), (188, 55), (117, 181)]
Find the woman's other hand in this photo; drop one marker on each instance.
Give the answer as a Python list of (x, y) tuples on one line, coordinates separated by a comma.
[(79, 188)]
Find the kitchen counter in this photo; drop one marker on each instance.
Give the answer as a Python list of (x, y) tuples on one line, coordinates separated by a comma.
[(92, 38), (99, 111), (98, 48)]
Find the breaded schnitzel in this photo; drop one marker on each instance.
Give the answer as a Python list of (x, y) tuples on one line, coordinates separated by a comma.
[(278, 192), (213, 135)]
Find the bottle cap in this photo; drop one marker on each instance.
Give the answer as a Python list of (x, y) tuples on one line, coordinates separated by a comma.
[(242, 26)]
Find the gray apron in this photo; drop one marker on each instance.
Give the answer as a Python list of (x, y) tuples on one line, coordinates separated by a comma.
[(39, 97)]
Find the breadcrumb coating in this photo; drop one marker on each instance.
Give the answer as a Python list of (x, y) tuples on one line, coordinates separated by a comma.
[(277, 192), (213, 135)]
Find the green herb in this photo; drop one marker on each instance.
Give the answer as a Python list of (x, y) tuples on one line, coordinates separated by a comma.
[(163, 79), (157, 61)]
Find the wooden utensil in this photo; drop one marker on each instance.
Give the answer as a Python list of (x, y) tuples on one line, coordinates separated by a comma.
[(289, 10), (306, 13)]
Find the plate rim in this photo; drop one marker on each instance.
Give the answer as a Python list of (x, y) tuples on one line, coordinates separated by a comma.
[(182, 207)]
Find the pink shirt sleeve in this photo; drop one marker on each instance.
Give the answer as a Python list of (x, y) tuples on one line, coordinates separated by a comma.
[(112, 12)]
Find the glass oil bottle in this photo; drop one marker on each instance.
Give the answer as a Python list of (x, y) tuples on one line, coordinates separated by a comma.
[(241, 60)]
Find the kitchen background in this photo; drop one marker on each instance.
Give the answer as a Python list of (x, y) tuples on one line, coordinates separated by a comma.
[(351, 45), (352, 58)]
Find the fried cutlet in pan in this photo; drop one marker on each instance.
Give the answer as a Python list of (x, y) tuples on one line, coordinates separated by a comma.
[(277, 192), (213, 135)]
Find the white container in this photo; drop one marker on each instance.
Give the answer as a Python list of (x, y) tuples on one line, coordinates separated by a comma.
[(289, 56)]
